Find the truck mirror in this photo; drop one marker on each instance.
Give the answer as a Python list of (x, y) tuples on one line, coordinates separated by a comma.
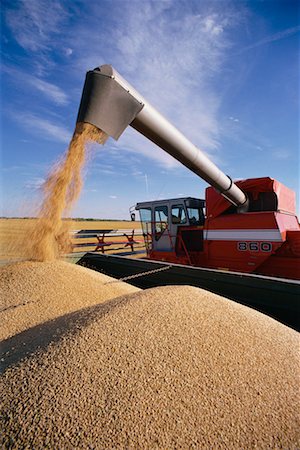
[(132, 215)]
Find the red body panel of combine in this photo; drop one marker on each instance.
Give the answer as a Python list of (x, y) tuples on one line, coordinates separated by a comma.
[(264, 240)]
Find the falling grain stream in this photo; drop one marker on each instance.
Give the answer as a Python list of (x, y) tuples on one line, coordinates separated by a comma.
[(50, 235)]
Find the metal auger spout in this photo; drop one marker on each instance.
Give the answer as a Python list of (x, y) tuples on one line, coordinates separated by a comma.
[(111, 104)]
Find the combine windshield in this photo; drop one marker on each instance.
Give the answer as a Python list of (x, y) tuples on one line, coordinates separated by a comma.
[(145, 215)]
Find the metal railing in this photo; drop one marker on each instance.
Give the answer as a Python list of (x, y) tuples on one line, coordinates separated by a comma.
[(107, 240)]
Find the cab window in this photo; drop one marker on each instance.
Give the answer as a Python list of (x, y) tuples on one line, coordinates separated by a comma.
[(196, 216), (145, 215), (161, 220), (178, 214)]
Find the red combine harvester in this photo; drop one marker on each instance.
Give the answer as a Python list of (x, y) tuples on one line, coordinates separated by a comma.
[(264, 239), (242, 228)]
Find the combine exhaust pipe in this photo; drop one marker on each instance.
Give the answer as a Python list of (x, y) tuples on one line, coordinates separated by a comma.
[(111, 104)]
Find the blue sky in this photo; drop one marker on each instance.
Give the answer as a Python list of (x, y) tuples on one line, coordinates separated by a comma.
[(226, 73)]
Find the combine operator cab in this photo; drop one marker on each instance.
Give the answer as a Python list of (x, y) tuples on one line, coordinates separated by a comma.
[(173, 227)]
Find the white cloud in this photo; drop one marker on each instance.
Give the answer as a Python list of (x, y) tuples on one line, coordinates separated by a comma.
[(135, 143), (49, 90), (68, 51), (281, 154), (34, 22), (44, 127), (175, 78), (11, 168), (90, 190), (108, 172), (113, 196), (211, 26), (35, 183)]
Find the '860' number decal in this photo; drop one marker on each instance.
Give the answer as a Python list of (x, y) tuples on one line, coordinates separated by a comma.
[(254, 246)]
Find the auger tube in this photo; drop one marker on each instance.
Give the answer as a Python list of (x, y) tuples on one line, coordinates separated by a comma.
[(111, 104)]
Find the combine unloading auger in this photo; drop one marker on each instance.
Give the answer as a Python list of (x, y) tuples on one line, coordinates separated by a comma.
[(111, 104), (250, 226)]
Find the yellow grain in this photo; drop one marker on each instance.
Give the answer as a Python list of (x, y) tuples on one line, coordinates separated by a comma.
[(169, 367)]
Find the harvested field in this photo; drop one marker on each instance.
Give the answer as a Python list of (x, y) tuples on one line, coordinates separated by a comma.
[(33, 293), (169, 367)]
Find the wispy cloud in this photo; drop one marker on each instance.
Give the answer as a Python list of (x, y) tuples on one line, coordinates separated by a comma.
[(253, 142), (272, 38), (68, 51), (34, 22), (49, 90), (178, 80), (11, 168), (90, 190), (281, 154), (35, 183), (164, 72), (44, 127)]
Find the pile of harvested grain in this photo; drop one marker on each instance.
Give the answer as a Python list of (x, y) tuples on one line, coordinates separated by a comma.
[(170, 367), (33, 293)]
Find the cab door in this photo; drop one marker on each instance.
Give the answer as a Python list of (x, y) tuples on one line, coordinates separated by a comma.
[(162, 240), (167, 218), (178, 217)]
